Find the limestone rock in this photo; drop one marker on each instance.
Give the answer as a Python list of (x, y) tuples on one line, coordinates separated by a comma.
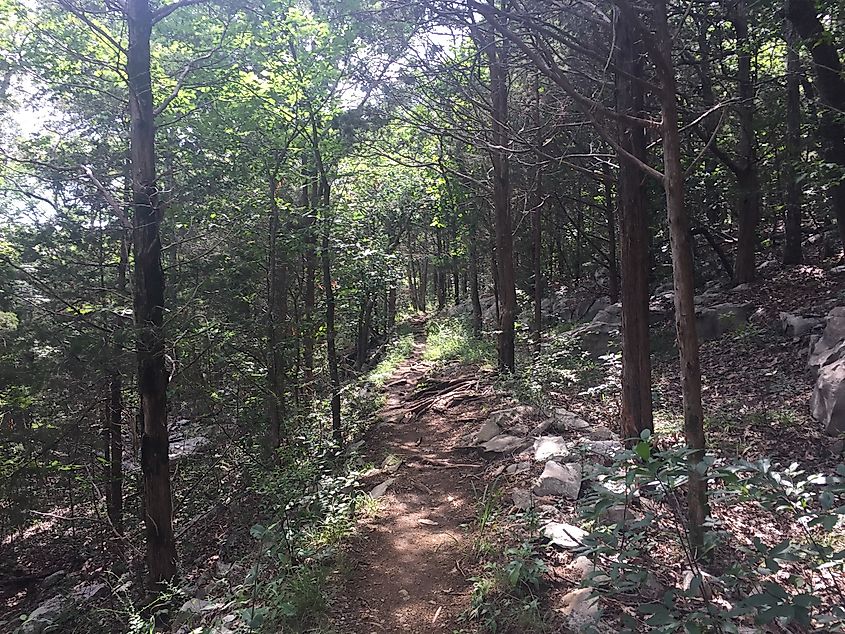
[(511, 416), (581, 608), (379, 490), (595, 338), (564, 420), (43, 616), (549, 447), (562, 480), (489, 430), (503, 443), (604, 448), (521, 499), (827, 403), (582, 567), (564, 535), (830, 346), (516, 468), (713, 322), (609, 315), (796, 325)]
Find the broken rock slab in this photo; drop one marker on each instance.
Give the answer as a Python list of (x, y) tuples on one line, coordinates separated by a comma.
[(796, 325), (830, 346), (511, 416), (827, 404), (550, 447), (489, 430), (713, 322), (503, 443), (564, 420), (564, 535), (379, 490), (560, 480)]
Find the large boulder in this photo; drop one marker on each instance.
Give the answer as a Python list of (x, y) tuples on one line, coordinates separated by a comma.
[(830, 345), (713, 322), (796, 325), (611, 314), (595, 338), (827, 364)]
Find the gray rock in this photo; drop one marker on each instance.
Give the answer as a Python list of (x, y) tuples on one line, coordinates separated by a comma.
[(564, 535), (594, 338), (587, 309), (84, 592), (521, 499), (827, 404), (53, 579), (379, 490), (564, 420), (503, 443), (768, 267), (838, 270), (542, 428), (830, 346), (609, 315), (713, 322), (549, 447), (43, 616), (194, 606), (561, 480), (600, 432), (511, 416), (581, 609), (796, 325), (603, 448), (489, 430), (518, 467)]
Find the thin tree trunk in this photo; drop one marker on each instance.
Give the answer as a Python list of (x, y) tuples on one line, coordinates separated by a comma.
[(830, 83), (748, 179), (501, 204), (149, 302), (537, 223), (115, 507), (612, 258), (275, 402), (636, 410), (792, 253), (682, 273), (477, 319)]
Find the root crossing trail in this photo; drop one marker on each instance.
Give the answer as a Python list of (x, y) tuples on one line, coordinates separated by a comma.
[(407, 570)]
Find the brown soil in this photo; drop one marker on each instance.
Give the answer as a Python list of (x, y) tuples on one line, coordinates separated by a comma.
[(408, 568)]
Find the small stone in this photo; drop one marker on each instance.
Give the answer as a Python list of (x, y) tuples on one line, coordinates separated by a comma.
[(549, 447), (518, 467), (86, 591), (600, 432), (563, 480), (582, 567), (404, 594), (194, 606), (521, 499), (838, 270), (489, 430), (564, 420), (503, 444), (564, 535), (581, 608), (379, 490), (53, 579)]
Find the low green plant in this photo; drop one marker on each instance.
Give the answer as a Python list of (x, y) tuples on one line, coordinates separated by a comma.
[(451, 339), (751, 580), (398, 351)]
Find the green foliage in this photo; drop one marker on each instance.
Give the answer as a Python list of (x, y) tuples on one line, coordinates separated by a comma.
[(452, 340), (397, 352), (752, 579)]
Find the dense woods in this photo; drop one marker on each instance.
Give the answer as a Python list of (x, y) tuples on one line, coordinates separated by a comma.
[(227, 227)]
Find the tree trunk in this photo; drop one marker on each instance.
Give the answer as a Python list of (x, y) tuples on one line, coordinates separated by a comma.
[(830, 83), (331, 349), (636, 410), (501, 204), (612, 259), (477, 319), (792, 253), (682, 273), (537, 224), (748, 180), (275, 396), (149, 302)]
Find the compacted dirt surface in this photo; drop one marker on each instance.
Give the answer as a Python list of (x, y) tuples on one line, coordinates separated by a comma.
[(407, 568)]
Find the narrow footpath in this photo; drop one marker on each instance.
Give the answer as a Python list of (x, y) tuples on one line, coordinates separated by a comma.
[(407, 569)]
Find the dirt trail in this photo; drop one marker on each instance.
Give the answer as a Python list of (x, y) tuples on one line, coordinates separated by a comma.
[(408, 572)]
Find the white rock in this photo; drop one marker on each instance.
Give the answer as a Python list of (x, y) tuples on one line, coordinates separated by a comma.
[(548, 447), (581, 608), (564, 535), (563, 480)]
